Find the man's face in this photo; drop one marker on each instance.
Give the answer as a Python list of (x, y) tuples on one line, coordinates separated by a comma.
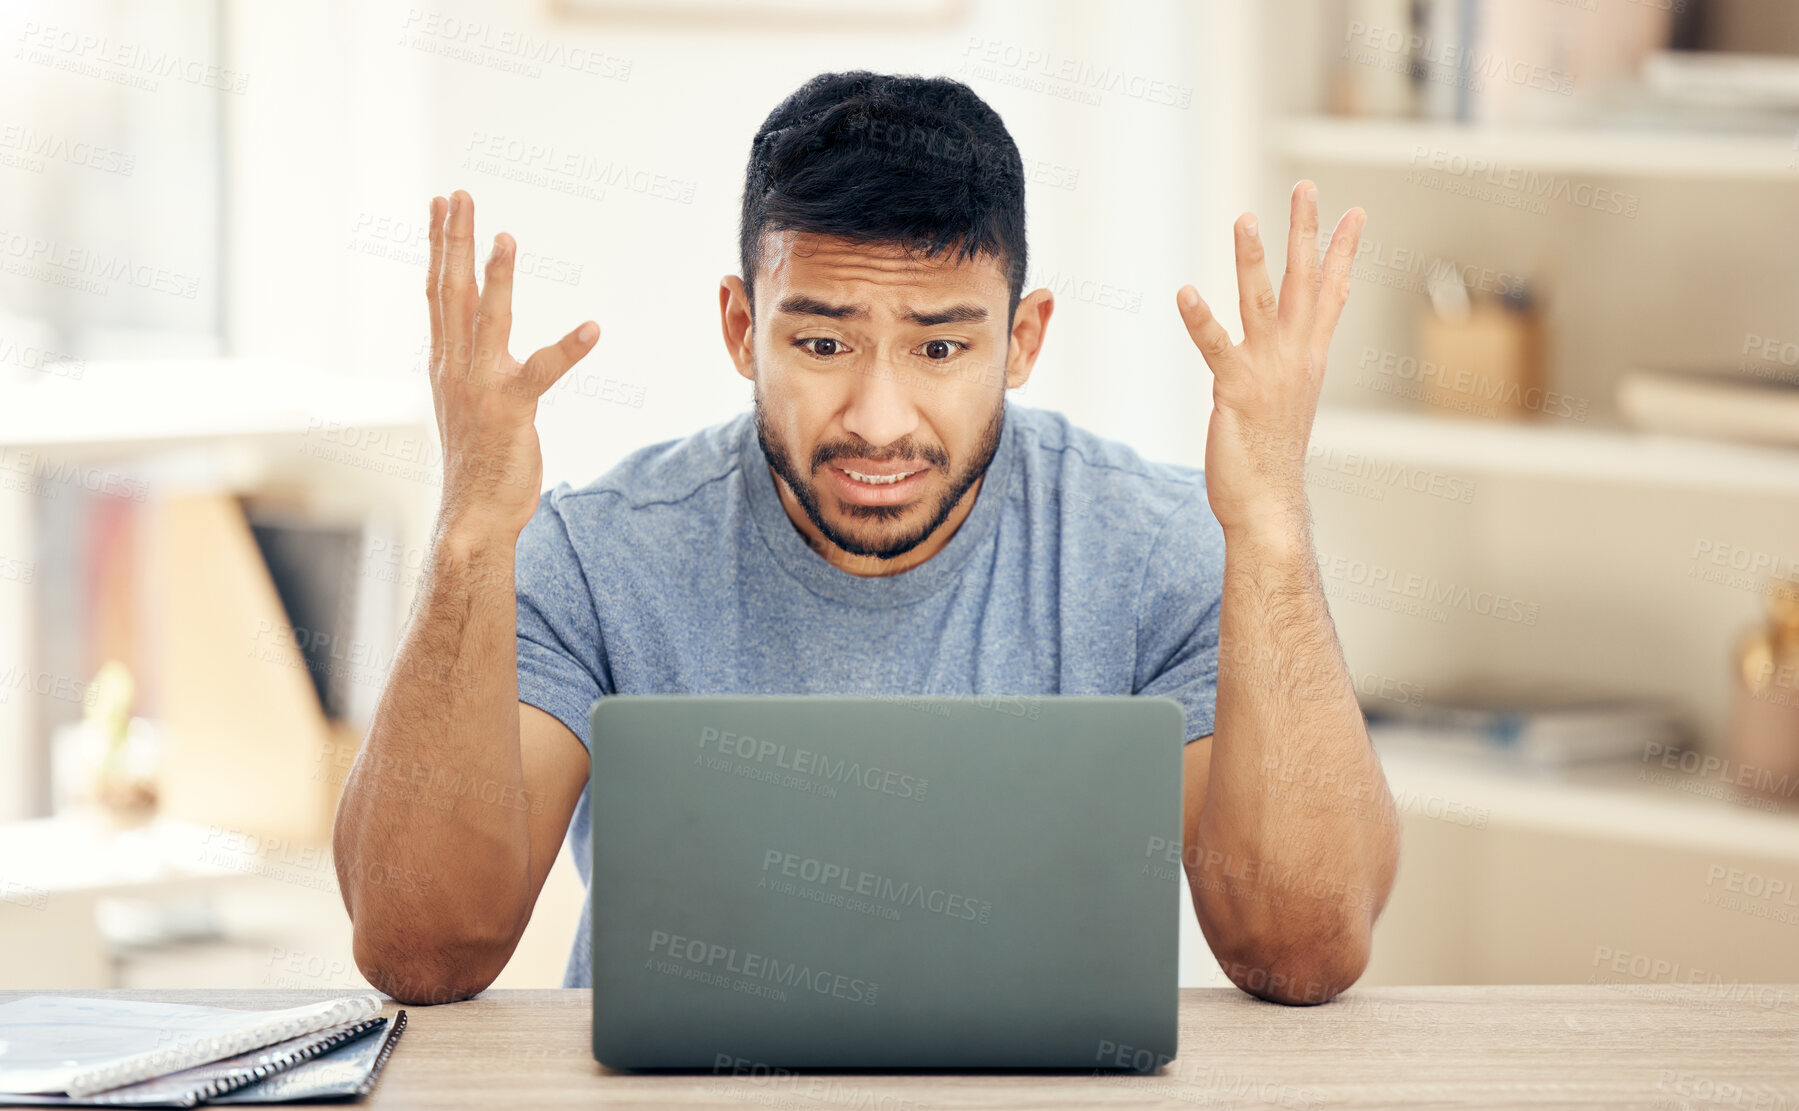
[(880, 385)]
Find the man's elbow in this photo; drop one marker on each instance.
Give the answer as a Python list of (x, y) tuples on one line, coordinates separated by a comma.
[(1302, 972), (422, 970)]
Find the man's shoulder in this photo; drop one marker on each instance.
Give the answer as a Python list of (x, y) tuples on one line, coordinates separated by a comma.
[(678, 473), (1098, 477)]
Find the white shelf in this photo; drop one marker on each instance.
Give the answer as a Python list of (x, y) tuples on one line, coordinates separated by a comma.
[(1556, 451), (1627, 800), (80, 854), (123, 406), (1346, 141)]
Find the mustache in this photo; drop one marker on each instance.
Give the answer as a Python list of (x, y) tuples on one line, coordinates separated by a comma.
[(902, 452)]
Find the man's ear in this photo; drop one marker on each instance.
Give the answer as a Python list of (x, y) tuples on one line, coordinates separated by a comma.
[(1029, 324), (739, 329)]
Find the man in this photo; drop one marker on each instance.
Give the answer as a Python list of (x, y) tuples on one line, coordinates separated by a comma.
[(884, 521)]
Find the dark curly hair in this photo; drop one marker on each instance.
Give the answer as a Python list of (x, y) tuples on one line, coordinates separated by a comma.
[(921, 162)]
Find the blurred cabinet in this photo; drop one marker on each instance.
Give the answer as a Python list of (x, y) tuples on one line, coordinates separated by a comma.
[(1601, 878)]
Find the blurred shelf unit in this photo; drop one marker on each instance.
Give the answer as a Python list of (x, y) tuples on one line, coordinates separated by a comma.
[(1558, 452), (1668, 153), (233, 505)]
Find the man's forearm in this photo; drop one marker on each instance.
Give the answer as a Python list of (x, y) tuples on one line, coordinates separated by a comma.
[(437, 793), (1297, 843)]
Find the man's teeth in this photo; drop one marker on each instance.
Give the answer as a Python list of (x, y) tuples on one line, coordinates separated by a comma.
[(878, 479)]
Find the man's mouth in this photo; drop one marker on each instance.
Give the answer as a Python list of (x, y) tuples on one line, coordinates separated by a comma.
[(877, 479), (893, 484)]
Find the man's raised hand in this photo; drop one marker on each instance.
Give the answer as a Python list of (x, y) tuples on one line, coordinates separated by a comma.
[(1265, 389), (486, 401)]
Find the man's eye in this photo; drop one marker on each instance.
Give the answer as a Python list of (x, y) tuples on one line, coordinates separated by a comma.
[(938, 350), (822, 346)]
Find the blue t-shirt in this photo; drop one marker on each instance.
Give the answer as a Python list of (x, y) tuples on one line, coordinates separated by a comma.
[(1081, 569)]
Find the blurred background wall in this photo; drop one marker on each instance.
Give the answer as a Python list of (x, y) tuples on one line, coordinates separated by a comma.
[(1554, 477)]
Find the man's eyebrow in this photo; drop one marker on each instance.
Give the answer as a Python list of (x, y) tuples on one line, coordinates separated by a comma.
[(801, 305), (812, 306), (955, 314)]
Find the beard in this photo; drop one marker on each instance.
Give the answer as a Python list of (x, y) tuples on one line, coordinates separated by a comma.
[(806, 493)]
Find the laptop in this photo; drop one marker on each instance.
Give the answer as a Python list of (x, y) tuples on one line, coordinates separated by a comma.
[(885, 882)]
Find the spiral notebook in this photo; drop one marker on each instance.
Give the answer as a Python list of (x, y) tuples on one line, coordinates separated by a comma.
[(339, 1062), (77, 1047), (345, 1073)]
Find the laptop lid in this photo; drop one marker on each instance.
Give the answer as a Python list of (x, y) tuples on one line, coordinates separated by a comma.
[(885, 882)]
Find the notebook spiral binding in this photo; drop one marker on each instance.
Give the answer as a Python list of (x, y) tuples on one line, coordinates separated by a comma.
[(387, 1049), (189, 1054), (246, 1077)]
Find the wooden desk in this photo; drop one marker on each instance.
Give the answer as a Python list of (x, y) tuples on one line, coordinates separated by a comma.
[(1666, 1046)]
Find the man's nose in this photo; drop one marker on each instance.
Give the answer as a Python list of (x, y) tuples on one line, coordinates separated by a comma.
[(882, 409)]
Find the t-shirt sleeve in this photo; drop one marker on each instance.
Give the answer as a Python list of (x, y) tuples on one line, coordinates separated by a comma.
[(561, 666), (1177, 613)]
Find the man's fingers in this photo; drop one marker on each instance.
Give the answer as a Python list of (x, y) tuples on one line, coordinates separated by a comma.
[(1299, 286), (433, 274), (1208, 335), (493, 317), (1255, 295), (1334, 293), (457, 288), (550, 363)]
